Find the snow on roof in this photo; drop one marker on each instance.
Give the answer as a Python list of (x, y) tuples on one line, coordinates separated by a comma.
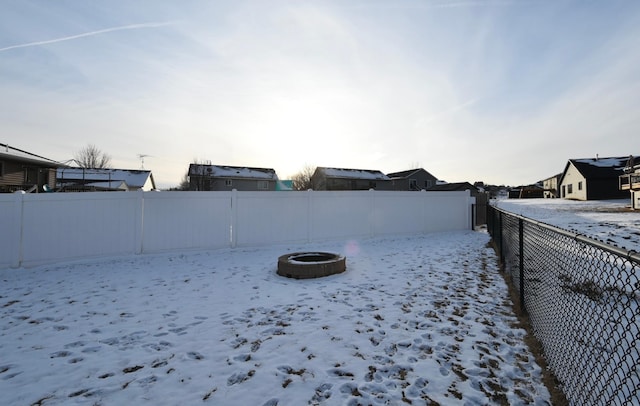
[(354, 173), (612, 162), (220, 171), (132, 177), (8, 151), (113, 185)]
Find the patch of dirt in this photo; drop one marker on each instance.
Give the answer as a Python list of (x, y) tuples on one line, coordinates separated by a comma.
[(558, 398)]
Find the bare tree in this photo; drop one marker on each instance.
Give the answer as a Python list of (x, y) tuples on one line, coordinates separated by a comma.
[(302, 179), (91, 157), (184, 183)]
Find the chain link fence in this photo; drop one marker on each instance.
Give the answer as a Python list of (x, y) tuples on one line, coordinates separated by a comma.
[(582, 297)]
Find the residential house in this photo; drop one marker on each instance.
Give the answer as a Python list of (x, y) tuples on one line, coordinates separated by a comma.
[(630, 181), (413, 179), (535, 191), (349, 179), (226, 178), (22, 170), (551, 187), (103, 180), (593, 178)]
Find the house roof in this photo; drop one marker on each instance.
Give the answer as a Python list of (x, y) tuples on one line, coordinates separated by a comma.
[(132, 177), (345, 173), (452, 187), (408, 173), (556, 176), (235, 172), (12, 153), (600, 168)]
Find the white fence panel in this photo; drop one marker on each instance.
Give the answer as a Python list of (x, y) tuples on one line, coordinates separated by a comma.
[(10, 223), (399, 213), (271, 218), (341, 215), (447, 211), (50, 227), (77, 225), (186, 220)]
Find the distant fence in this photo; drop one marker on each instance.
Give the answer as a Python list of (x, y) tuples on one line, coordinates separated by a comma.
[(582, 297), (49, 227)]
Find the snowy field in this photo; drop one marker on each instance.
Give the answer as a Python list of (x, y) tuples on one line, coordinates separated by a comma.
[(422, 320), (611, 221)]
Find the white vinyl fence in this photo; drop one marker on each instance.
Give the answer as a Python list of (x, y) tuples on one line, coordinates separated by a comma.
[(51, 227)]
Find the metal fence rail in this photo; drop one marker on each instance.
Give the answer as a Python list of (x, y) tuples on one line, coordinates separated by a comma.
[(583, 299)]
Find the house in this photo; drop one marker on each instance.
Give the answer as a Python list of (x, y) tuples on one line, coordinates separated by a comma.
[(349, 179), (70, 179), (22, 170), (220, 178), (593, 178), (551, 187), (413, 179), (630, 181), (526, 192)]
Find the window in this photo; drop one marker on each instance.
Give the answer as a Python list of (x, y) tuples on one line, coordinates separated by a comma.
[(579, 185), (1, 169), (428, 183), (263, 185), (413, 184), (31, 175), (228, 182), (570, 188), (372, 184)]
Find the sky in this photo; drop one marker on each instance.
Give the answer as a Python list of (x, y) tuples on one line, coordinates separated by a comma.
[(503, 92)]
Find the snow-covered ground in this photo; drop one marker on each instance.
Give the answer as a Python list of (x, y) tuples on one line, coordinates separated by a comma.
[(420, 320), (611, 221)]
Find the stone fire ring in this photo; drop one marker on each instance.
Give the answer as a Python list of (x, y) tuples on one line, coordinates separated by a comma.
[(306, 265)]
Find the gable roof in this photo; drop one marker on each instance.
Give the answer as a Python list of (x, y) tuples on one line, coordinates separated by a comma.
[(235, 172), (12, 153), (106, 178), (453, 187), (408, 173), (599, 168), (556, 176), (346, 173)]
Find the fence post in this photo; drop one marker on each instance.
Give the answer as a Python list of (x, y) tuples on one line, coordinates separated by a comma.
[(18, 228), (310, 197), (139, 223), (500, 236), (473, 216), (521, 264), (233, 229)]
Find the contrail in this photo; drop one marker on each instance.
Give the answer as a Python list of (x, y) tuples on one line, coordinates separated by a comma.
[(88, 34), (450, 111)]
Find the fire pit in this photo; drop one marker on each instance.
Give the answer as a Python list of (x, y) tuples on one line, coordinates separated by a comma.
[(306, 265)]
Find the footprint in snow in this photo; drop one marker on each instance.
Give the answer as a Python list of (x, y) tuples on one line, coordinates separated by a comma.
[(240, 377)]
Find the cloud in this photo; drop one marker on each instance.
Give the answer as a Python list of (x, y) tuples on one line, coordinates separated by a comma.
[(89, 34)]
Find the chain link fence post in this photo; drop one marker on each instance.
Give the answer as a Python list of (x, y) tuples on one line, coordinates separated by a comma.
[(521, 263)]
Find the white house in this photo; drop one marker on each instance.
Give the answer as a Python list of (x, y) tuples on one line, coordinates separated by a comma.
[(85, 180)]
